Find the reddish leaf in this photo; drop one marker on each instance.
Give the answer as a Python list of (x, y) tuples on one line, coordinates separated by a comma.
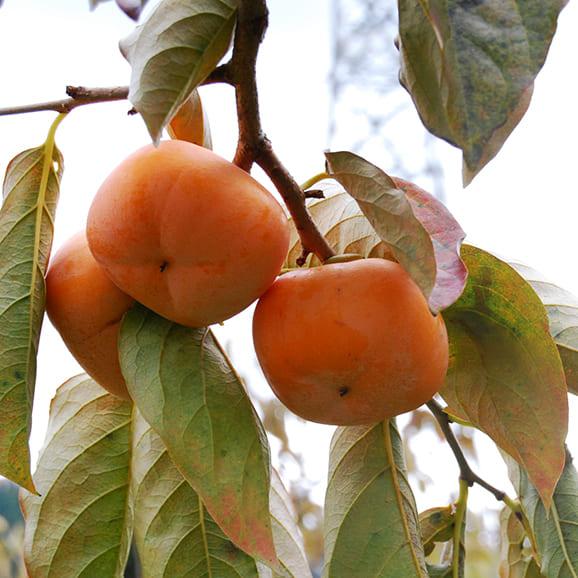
[(422, 234), (505, 374)]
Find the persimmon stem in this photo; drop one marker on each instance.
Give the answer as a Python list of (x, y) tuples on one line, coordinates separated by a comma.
[(253, 146)]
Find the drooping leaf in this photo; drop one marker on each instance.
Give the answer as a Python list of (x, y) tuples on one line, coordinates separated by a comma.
[(517, 558), (191, 123), (187, 390), (505, 374), (562, 308), (437, 525), (470, 67), (173, 531), (371, 523), (556, 531), (80, 524), (31, 189), (176, 536), (172, 52), (421, 233)]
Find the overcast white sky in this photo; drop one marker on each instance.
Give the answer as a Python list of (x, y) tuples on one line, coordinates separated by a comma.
[(523, 205)]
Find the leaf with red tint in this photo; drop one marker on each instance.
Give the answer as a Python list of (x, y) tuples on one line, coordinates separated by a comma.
[(422, 234), (447, 237), (505, 375)]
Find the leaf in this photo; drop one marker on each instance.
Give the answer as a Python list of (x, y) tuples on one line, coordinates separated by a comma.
[(187, 390), (562, 308), (80, 524), (191, 123), (505, 374), (470, 67), (286, 533), (437, 525), (421, 233), (371, 522), (172, 52), (31, 189), (175, 533), (556, 531), (517, 558), (132, 8)]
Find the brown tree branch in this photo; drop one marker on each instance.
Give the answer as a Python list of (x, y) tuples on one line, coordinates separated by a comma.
[(466, 472), (81, 96), (253, 145)]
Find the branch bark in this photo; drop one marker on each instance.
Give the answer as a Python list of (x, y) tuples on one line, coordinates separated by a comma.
[(253, 145), (81, 95), (466, 472)]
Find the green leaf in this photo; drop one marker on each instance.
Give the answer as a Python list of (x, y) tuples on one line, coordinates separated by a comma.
[(175, 533), (80, 525), (556, 531), (31, 189), (470, 67), (518, 561), (187, 390), (371, 522), (505, 374), (172, 52), (437, 525), (421, 233), (562, 308)]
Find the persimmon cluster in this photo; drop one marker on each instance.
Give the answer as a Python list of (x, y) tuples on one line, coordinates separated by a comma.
[(197, 240)]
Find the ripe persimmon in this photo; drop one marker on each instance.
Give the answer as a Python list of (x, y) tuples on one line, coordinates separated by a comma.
[(187, 234), (350, 343), (86, 308)]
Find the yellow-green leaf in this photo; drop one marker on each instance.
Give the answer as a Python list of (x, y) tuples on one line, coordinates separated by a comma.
[(556, 530), (172, 52), (31, 189), (437, 525), (80, 524), (562, 308), (505, 375), (371, 523), (176, 536), (187, 390)]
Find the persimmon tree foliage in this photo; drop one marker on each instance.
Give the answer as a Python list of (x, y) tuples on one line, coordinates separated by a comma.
[(177, 463)]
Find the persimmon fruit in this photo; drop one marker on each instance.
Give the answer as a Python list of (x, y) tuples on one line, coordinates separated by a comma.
[(350, 343), (86, 308), (187, 233)]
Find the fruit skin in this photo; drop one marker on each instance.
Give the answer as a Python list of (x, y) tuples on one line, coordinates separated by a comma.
[(187, 234), (86, 308), (350, 343)]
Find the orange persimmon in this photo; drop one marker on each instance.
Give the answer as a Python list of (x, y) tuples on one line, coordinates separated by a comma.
[(86, 308), (350, 343), (187, 233)]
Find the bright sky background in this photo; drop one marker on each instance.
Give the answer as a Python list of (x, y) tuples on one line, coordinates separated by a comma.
[(523, 205)]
